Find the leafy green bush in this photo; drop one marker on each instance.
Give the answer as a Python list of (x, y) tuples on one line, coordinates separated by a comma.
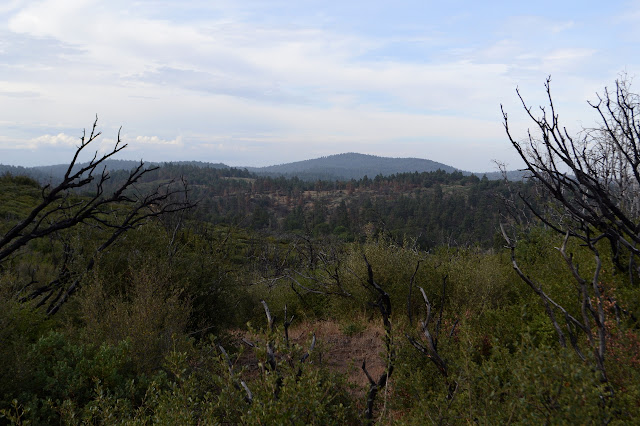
[(540, 384), (201, 387), (60, 375)]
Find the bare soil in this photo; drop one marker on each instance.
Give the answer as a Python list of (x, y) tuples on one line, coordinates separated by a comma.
[(338, 351)]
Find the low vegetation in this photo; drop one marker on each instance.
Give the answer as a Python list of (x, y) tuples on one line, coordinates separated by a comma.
[(410, 299)]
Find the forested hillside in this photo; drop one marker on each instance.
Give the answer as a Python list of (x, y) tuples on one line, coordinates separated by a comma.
[(155, 332), (341, 167), (433, 208), (351, 166), (194, 295)]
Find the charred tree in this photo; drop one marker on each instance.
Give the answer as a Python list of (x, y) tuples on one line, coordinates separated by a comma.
[(115, 212), (383, 303), (428, 345), (593, 179)]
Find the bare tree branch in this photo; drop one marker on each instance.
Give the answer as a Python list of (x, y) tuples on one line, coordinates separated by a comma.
[(61, 209), (594, 179), (384, 305)]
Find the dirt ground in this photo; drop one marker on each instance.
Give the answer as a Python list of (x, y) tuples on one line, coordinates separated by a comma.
[(341, 352)]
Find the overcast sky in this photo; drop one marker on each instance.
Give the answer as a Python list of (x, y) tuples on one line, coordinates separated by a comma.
[(262, 82)]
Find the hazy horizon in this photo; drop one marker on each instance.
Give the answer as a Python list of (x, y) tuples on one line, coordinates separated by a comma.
[(258, 83)]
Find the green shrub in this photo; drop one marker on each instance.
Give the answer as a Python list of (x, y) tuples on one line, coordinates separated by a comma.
[(61, 377), (150, 315)]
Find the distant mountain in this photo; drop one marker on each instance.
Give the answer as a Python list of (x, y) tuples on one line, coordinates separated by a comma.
[(55, 172), (355, 166), (333, 167), (46, 174), (350, 166)]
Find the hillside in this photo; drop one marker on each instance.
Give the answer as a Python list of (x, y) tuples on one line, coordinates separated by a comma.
[(350, 166), (339, 167), (44, 174), (434, 207), (168, 325), (163, 320)]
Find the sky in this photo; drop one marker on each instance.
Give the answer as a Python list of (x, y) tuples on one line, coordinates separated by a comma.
[(263, 82)]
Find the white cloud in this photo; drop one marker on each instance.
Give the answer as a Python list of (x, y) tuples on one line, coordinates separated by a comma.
[(242, 82), (156, 141), (59, 140), (562, 26), (567, 57), (245, 60), (535, 27)]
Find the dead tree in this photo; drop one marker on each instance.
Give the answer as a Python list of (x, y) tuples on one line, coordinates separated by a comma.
[(271, 356), (594, 177), (590, 302), (117, 212), (410, 293), (429, 345), (238, 384), (383, 303), (594, 180), (326, 275), (320, 274)]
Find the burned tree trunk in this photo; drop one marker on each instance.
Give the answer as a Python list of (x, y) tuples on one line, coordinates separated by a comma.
[(383, 303), (593, 179), (429, 345)]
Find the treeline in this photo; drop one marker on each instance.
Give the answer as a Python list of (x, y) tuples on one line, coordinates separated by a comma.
[(432, 207)]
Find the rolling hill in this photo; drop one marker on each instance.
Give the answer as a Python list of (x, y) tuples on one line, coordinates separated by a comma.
[(331, 168), (350, 166)]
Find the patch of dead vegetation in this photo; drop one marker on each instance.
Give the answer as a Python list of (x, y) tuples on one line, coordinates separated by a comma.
[(338, 351)]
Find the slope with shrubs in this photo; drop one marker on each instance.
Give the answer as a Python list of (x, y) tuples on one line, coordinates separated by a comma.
[(169, 328)]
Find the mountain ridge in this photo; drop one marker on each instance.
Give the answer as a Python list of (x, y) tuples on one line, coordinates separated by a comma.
[(345, 166), (351, 165)]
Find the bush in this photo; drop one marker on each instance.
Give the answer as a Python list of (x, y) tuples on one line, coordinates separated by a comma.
[(62, 375), (150, 315)]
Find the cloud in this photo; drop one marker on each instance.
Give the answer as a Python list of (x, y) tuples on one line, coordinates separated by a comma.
[(271, 78), (568, 55), (11, 5), (284, 64), (156, 141), (59, 140), (562, 26)]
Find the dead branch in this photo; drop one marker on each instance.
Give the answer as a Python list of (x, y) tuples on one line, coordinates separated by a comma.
[(237, 384), (594, 177), (118, 212), (383, 303), (409, 296), (589, 293), (430, 347), (271, 356)]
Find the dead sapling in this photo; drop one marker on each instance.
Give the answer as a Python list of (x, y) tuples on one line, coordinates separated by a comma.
[(238, 384), (271, 356), (428, 346), (383, 303)]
